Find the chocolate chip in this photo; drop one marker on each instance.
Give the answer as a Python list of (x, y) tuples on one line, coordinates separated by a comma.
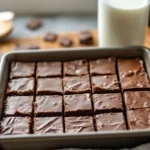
[(86, 38), (27, 47), (50, 37), (34, 23), (66, 42)]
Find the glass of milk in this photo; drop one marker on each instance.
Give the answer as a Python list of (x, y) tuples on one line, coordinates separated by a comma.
[(122, 22)]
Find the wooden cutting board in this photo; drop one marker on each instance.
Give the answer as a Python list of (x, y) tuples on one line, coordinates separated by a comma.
[(9, 44)]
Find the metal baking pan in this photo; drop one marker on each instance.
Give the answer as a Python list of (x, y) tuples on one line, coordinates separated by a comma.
[(109, 139)]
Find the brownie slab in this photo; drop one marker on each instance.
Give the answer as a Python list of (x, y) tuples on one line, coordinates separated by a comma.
[(79, 124), (49, 69), (49, 86), (106, 83), (130, 66), (47, 125), (18, 105), (110, 121), (138, 119), (135, 81), (79, 104), (48, 105), (21, 86), (103, 66), (15, 125), (107, 102), (76, 67), (22, 69), (76, 84), (137, 100)]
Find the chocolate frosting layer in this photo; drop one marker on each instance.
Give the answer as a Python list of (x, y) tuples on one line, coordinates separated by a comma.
[(137, 100), (47, 69), (110, 121), (48, 125), (139, 119), (104, 83), (77, 84), (22, 69), (77, 67), (15, 125), (78, 102), (19, 105), (49, 85), (21, 86), (79, 124), (103, 66), (107, 102), (48, 104)]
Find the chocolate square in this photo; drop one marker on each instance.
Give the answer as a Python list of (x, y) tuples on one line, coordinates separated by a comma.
[(49, 86), (107, 102), (137, 100), (15, 125), (21, 86), (49, 69), (79, 124), (108, 83), (18, 105), (77, 85), (135, 81), (130, 66), (103, 66), (86, 38), (22, 69), (138, 119), (110, 121), (47, 125), (76, 67), (48, 105), (79, 104)]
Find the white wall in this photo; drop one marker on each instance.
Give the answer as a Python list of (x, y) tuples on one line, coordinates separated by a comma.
[(49, 6)]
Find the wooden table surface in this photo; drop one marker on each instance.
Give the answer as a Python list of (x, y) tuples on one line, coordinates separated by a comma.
[(9, 44)]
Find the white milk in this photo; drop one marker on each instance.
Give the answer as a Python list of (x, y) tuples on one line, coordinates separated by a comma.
[(122, 22)]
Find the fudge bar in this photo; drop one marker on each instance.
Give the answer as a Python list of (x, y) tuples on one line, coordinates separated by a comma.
[(18, 105), (79, 104), (79, 124), (15, 125), (21, 86), (48, 105), (22, 69), (49, 69), (110, 121), (103, 66), (76, 67), (46, 125)]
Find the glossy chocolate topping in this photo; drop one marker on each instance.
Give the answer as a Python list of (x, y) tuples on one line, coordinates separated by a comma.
[(21, 86), (50, 37), (46, 69), (137, 100), (49, 85), (86, 37), (102, 83), (15, 125), (139, 119), (48, 104), (22, 69), (77, 84), (45, 125), (130, 66), (77, 67), (135, 81), (103, 66), (110, 121), (77, 102), (107, 102), (19, 105), (79, 124)]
